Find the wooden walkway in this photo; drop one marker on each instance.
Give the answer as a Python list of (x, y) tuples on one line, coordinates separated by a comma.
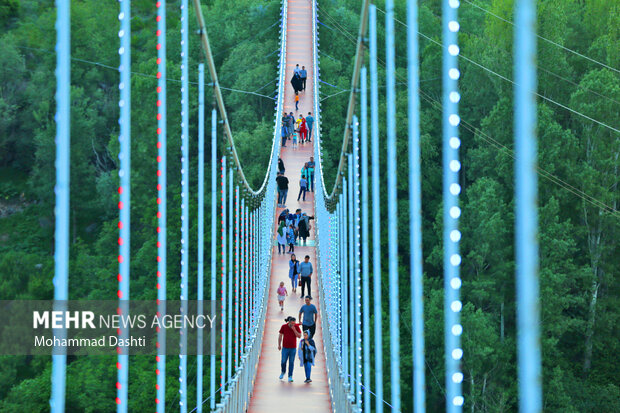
[(271, 394)]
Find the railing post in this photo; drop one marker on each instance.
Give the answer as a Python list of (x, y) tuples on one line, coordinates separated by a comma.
[(223, 282), (344, 280), (124, 205), (229, 296), (526, 223), (162, 207), (392, 206), (376, 216), (213, 250), (452, 212), (351, 276), (201, 205), (237, 263), (365, 244), (62, 189), (415, 209), (185, 200), (241, 282), (356, 262)]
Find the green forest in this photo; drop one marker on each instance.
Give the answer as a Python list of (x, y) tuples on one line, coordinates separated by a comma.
[(579, 255), (578, 78), (245, 41)]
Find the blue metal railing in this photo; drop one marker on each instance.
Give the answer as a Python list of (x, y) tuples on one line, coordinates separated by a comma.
[(240, 370), (62, 189), (342, 227)]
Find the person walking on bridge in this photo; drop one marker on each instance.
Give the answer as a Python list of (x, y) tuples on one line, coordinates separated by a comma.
[(284, 135), (303, 74), (293, 271), (282, 182), (296, 83), (290, 123), (307, 352), (281, 237), (291, 238), (287, 343), (305, 271), (303, 129), (283, 216), (310, 166), (282, 294), (303, 188), (310, 314), (304, 227), (310, 123)]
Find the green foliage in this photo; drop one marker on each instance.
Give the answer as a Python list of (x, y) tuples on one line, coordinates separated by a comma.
[(579, 282), (244, 34), (579, 286)]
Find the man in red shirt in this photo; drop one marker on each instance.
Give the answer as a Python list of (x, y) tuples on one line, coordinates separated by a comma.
[(289, 333)]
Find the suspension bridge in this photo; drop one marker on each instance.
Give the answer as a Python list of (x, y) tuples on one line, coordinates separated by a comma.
[(344, 246)]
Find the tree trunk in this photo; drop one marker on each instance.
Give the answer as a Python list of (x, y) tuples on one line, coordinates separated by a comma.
[(471, 391), (484, 389), (74, 228), (595, 248), (587, 359), (501, 327)]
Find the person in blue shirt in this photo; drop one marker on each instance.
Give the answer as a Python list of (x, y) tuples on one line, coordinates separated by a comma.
[(309, 124), (304, 75), (290, 123), (303, 188), (310, 167), (284, 135), (308, 315), (297, 217), (305, 272)]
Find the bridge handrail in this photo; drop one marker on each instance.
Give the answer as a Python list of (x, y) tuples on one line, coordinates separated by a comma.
[(359, 59), (236, 397), (220, 101), (341, 398)]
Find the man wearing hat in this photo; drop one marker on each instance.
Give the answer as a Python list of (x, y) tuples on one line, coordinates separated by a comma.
[(287, 342)]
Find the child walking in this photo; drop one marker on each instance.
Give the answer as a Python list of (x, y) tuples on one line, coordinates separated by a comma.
[(303, 129), (282, 294), (303, 188), (296, 102), (295, 139), (290, 238)]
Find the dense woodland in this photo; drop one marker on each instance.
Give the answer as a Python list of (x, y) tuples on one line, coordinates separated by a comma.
[(579, 252), (580, 291)]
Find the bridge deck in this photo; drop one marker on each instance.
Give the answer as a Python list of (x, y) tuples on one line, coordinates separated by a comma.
[(271, 394)]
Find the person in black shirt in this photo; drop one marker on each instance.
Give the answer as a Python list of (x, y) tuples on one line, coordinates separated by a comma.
[(282, 182), (304, 226)]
